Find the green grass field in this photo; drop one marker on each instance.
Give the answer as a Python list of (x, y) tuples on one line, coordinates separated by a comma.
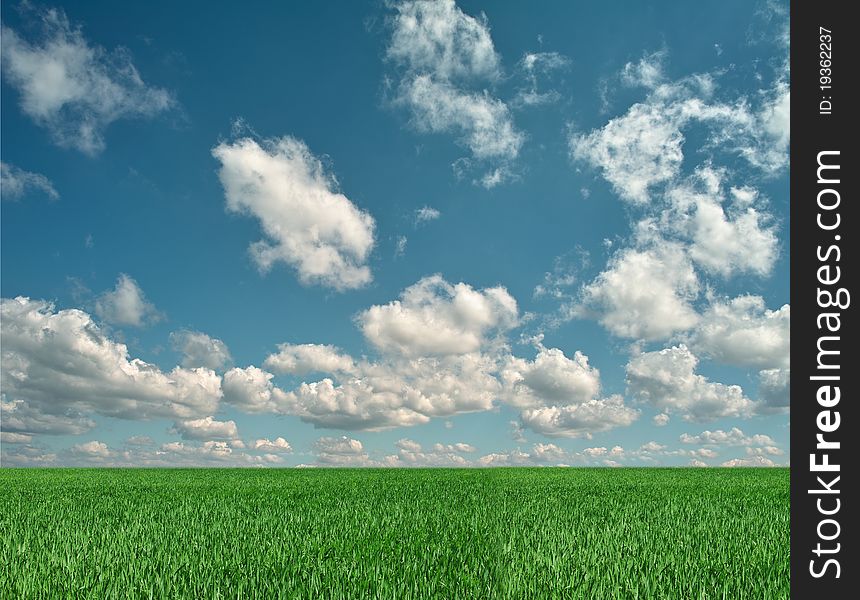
[(428, 533)]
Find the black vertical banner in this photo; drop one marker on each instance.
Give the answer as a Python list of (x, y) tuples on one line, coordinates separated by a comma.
[(824, 417)]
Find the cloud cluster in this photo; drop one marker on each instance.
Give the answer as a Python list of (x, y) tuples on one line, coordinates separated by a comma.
[(206, 428), (733, 437), (435, 318), (446, 57), (72, 88), (59, 366), (687, 227), (643, 149), (308, 223), (667, 380), (442, 350), (743, 332)]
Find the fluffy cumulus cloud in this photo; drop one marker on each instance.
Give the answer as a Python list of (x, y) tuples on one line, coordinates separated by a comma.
[(552, 378), (412, 454), (435, 318), (442, 350), (126, 304), (644, 293), (340, 451), (251, 390), (580, 420), (277, 445), (634, 152), (393, 393), (206, 428), (72, 88), (667, 380), (301, 359), (308, 223), (643, 149), (446, 57), (200, 350), (93, 449), (59, 366), (16, 183), (743, 332), (726, 235), (733, 437)]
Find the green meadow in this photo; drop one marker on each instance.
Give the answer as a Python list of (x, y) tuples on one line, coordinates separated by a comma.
[(394, 533)]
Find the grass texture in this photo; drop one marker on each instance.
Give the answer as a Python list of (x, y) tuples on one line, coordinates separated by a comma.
[(396, 533)]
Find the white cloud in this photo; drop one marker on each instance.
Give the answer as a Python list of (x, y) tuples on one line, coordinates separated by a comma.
[(539, 454), (647, 72), (435, 318), (206, 428), (443, 54), (21, 416), (461, 447), (170, 454), (373, 395), (442, 351), (411, 453), (644, 293), (774, 389), (340, 451), (140, 440), (551, 378), (59, 365), (733, 437), (200, 350), (426, 213), (300, 359), (764, 451), (644, 148), (308, 223), (267, 445), (16, 182), (400, 246), (660, 420), (210, 452), (397, 393), (126, 304), (755, 461), (580, 420), (743, 332), (635, 151), (10, 437), (73, 89), (667, 380), (724, 240), (94, 449), (437, 37), (252, 391), (484, 123)]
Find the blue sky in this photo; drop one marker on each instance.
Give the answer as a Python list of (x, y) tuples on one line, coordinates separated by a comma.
[(405, 233)]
